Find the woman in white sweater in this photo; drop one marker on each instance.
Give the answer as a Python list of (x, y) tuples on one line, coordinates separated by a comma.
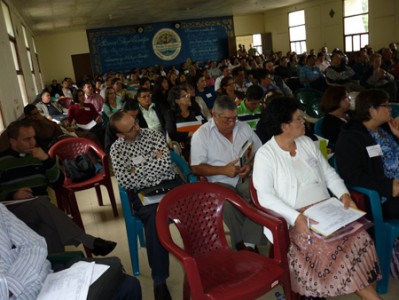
[(290, 174)]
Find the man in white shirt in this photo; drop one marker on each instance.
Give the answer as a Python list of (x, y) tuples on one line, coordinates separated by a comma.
[(215, 149), (225, 72)]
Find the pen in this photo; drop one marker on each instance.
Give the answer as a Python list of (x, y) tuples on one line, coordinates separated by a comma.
[(309, 237)]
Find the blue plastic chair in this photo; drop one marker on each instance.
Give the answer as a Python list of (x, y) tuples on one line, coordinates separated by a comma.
[(134, 226), (386, 232)]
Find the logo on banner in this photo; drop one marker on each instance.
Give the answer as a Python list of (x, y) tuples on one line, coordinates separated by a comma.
[(166, 44)]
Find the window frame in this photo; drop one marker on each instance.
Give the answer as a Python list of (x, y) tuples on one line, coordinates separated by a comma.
[(294, 44), (355, 39)]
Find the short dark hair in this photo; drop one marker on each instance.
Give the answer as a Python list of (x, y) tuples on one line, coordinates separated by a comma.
[(262, 74), (42, 93), (114, 80), (254, 92), (237, 70), (279, 111), (28, 109), (13, 128), (140, 91), (224, 102), (367, 99), (332, 97), (144, 80), (131, 104)]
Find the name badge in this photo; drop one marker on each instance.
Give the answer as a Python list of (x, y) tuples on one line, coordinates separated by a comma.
[(87, 108), (199, 118), (209, 95), (311, 161), (138, 160), (374, 150)]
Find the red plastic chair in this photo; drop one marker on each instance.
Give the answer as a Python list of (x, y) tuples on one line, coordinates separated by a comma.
[(69, 148), (212, 269), (276, 249)]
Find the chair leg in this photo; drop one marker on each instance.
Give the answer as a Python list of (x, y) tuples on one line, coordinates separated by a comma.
[(99, 195), (111, 194), (385, 256), (186, 289)]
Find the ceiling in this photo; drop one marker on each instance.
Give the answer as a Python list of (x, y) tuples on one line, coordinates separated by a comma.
[(51, 16)]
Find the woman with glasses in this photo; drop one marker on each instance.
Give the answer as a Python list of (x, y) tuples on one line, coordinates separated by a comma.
[(228, 88), (367, 150), (335, 105), (290, 174), (182, 119)]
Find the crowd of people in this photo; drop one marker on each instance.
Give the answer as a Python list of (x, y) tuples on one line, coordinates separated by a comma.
[(211, 111)]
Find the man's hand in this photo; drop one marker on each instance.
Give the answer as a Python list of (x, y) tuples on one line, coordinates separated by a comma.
[(158, 154), (39, 153), (22, 193), (244, 171), (231, 170)]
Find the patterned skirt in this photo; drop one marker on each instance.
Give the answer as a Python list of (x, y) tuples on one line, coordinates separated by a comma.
[(329, 269)]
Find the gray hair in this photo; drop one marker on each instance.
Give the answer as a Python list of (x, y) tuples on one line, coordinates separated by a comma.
[(224, 103)]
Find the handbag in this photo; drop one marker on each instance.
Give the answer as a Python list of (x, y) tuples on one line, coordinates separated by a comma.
[(80, 169)]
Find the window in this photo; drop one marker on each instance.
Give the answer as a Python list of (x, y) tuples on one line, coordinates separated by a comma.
[(296, 24), (29, 55), (37, 60), (257, 42), (356, 24), (13, 45)]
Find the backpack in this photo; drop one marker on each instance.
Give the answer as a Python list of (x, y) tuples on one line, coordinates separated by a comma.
[(80, 169)]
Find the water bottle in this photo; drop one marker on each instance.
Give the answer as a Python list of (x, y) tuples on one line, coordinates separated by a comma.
[(279, 296)]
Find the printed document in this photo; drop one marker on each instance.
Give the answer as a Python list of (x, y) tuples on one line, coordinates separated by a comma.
[(331, 216)]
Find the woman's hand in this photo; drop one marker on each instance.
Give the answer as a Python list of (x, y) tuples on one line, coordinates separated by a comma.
[(301, 225), (347, 201)]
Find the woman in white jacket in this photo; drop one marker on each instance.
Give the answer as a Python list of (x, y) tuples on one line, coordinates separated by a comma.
[(290, 174)]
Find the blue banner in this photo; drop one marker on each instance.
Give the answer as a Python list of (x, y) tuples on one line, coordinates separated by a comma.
[(121, 49)]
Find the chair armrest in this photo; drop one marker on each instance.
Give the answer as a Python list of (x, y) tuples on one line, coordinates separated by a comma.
[(276, 224), (183, 166)]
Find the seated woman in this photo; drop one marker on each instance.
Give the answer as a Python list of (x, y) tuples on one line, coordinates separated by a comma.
[(291, 174), (367, 150), (84, 119), (227, 87), (112, 103), (182, 119), (160, 95), (49, 109), (207, 94), (335, 105)]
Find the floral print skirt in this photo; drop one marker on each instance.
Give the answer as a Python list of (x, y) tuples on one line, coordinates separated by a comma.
[(333, 268)]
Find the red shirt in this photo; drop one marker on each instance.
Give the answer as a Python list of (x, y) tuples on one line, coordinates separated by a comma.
[(82, 115)]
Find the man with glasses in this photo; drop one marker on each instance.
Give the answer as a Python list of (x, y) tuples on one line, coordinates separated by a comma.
[(215, 149), (141, 159), (150, 115)]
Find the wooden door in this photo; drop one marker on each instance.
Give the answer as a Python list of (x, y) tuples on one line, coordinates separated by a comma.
[(82, 66)]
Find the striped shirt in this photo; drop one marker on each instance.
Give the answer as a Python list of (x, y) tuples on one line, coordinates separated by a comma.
[(250, 117), (18, 170), (23, 266)]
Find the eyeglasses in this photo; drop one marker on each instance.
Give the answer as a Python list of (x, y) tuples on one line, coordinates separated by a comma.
[(185, 96), (387, 105), (227, 120)]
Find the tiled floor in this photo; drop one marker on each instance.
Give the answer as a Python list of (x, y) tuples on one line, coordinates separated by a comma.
[(99, 221)]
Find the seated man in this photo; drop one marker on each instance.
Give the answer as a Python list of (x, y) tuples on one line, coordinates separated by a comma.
[(150, 115), (215, 148), (47, 132), (93, 98), (249, 110), (24, 266), (141, 159), (25, 173)]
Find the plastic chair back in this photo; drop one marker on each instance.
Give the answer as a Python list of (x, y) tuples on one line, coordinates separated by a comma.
[(386, 232), (306, 95), (212, 270)]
